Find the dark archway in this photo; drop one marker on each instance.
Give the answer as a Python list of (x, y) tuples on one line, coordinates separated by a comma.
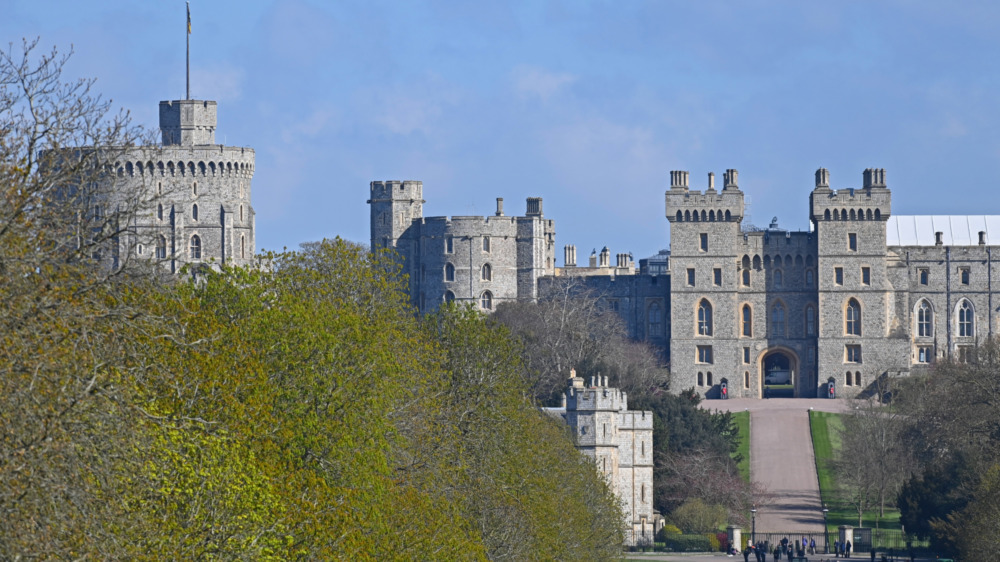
[(779, 370)]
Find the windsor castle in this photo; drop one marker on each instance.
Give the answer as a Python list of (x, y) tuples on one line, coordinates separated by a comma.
[(819, 313)]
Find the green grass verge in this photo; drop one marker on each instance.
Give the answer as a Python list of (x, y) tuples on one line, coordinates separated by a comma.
[(825, 428), (743, 423)]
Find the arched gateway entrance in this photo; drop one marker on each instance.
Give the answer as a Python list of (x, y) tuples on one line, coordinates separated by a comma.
[(779, 371)]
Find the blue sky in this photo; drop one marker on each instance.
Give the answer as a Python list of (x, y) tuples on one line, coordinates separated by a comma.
[(587, 104)]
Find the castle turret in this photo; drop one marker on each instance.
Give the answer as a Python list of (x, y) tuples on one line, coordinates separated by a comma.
[(394, 206)]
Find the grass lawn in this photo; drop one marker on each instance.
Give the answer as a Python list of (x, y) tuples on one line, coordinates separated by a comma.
[(825, 428), (743, 422)]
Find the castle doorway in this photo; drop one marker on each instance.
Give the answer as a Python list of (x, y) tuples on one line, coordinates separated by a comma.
[(779, 369)]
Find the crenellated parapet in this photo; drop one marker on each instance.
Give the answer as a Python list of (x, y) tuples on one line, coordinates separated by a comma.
[(686, 205), (872, 202)]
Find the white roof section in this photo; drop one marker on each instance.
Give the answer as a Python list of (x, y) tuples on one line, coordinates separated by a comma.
[(956, 230)]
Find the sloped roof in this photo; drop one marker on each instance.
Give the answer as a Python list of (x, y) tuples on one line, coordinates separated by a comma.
[(957, 230)]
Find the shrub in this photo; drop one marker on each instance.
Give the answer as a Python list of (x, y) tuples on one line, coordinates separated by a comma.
[(713, 542), (688, 543)]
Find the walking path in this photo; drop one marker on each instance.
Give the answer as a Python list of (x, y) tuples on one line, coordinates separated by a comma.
[(782, 459)]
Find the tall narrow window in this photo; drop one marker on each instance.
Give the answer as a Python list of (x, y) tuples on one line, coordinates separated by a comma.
[(746, 355), (778, 320), (747, 321), (194, 212), (195, 247), (746, 277), (852, 318), (924, 275), (487, 272), (449, 272), (486, 244), (777, 278), (701, 379), (746, 379), (717, 277), (966, 320), (810, 321), (690, 274), (838, 275), (159, 211), (161, 248), (705, 354), (449, 245), (866, 275), (654, 317), (925, 317), (963, 275), (243, 246), (852, 242), (703, 242), (486, 301), (809, 278), (852, 353), (704, 318)]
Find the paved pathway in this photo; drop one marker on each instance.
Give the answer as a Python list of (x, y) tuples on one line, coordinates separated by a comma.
[(781, 459)]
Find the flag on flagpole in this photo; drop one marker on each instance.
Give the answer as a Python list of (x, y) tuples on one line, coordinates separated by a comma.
[(189, 17)]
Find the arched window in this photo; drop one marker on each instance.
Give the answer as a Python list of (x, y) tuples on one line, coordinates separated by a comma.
[(810, 321), (159, 211), (852, 318), (701, 379), (194, 212), (486, 301), (809, 278), (777, 278), (486, 244), (778, 319), (449, 272), (925, 320), (966, 320), (195, 247), (243, 246), (680, 216), (194, 188), (449, 296), (704, 318), (487, 272), (161, 248), (654, 317), (826, 215), (747, 321)]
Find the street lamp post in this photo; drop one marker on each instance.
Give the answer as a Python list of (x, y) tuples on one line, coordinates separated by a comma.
[(753, 526), (826, 533)]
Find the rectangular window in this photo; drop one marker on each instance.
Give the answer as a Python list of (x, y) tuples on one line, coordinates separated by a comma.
[(852, 242), (703, 242), (690, 277), (746, 277), (705, 354), (853, 354), (965, 354), (486, 244), (924, 275), (925, 354), (963, 275), (866, 275), (838, 275), (746, 355), (717, 277), (449, 245)]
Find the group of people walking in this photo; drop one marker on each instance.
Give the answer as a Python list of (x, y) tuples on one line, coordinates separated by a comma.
[(842, 549), (784, 548)]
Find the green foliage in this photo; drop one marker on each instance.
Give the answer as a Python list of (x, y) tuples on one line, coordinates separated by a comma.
[(688, 543), (742, 453), (713, 542), (695, 516)]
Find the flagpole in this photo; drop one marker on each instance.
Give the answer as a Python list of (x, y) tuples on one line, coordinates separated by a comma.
[(187, 76)]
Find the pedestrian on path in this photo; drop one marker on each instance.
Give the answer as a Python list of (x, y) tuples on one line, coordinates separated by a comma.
[(848, 549)]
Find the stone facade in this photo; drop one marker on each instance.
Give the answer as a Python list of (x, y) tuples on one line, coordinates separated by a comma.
[(479, 260), (620, 441), (187, 200), (862, 294)]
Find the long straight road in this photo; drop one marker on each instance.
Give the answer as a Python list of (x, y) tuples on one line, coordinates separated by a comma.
[(782, 459)]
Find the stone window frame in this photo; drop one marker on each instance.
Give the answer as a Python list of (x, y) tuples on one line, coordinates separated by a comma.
[(923, 317), (746, 379), (965, 318), (486, 300), (486, 272), (746, 278), (810, 323), (717, 276), (852, 317), (964, 275), (746, 355), (810, 277), (448, 296), (487, 245), (701, 378), (746, 324), (866, 275), (965, 353), (925, 354), (704, 321), (159, 211), (853, 353), (194, 212), (194, 247), (923, 276), (852, 241), (690, 277), (161, 247), (703, 242), (838, 276), (778, 327), (449, 272), (703, 355), (449, 244), (654, 322)]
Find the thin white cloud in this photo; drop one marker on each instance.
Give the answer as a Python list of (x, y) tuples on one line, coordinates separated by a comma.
[(530, 81)]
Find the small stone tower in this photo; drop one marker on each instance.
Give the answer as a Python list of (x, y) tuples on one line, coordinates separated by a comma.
[(393, 206)]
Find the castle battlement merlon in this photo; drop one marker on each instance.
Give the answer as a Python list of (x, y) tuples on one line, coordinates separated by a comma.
[(687, 205), (873, 201)]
